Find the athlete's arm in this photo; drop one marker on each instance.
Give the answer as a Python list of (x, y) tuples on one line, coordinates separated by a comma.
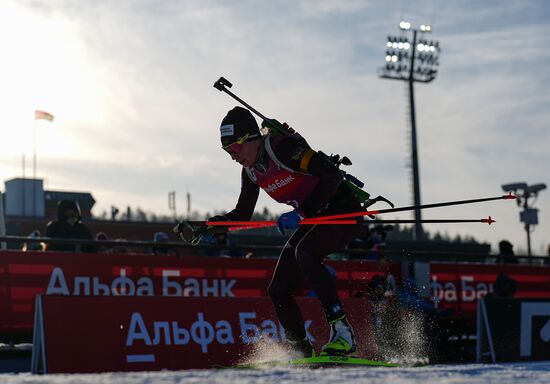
[(296, 154), (247, 200)]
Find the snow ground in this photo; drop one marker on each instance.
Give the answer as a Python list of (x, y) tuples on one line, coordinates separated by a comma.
[(517, 373)]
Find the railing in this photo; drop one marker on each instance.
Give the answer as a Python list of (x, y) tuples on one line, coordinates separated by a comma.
[(273, 250)]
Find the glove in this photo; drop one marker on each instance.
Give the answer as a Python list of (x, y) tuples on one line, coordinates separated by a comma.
[(195, 235), (208, 237), (218, 218), (289, 220)]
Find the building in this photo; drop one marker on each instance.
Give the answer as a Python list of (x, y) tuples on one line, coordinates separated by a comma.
[(27, 198)]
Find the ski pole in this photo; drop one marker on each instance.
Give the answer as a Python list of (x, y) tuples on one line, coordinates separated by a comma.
[(413, 207), (489, 220), (191, 235), (267, 223), (238, 225), (358, 214), (193, 231)]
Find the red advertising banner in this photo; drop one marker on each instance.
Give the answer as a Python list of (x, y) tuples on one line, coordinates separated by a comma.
[(23, 275), (100, 334), (459, 286)]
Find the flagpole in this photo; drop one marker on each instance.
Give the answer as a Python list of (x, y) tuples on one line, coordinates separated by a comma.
[(23, 165), (38, 115), (34, 167)]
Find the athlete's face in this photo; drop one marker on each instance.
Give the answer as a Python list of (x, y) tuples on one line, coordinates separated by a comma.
[(245, 153)]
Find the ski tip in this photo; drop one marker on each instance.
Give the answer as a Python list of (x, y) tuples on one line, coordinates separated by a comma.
[(488, 220), (509, 196)]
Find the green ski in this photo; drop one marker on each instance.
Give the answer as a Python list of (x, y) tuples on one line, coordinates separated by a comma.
[(317, 362)]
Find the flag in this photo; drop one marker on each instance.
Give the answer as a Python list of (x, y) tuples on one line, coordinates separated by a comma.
[(41, 115)]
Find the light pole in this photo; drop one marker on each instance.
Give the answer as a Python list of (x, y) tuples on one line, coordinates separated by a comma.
[(172, 203), (529, 215), (412, 61)]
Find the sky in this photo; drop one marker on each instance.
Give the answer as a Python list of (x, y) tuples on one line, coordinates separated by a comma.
[(136, 116)]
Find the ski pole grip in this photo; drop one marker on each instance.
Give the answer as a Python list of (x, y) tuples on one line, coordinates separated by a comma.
[(222, 83)]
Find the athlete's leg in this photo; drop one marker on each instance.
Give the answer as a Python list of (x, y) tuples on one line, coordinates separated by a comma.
[(286, 278), (318, 242), (303, 256), (312, 248)]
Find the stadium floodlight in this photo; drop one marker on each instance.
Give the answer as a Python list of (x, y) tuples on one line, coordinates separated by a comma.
[(529, 215), (412, 60), (404, 25)]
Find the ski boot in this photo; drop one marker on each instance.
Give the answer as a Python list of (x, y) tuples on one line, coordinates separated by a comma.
[(301, 349), (342, 340)]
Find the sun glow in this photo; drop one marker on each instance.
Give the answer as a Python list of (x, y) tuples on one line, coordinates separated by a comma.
[(44, 66)]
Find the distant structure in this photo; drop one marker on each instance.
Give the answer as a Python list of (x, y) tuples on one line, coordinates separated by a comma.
[(27, 198), (28, 207), (24, 197), (529, 216), (412, 61)]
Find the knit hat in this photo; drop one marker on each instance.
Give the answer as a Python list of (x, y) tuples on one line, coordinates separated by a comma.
[(236, 124)]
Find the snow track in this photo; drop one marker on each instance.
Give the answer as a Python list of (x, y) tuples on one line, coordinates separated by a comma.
[(517, 373)]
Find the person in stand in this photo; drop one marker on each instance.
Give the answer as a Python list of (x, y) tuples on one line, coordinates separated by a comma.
[(291, 172), (68, 226), (99, 237), (373, 240), (504, 286), (162, 250), (506, 251), (33, 245)]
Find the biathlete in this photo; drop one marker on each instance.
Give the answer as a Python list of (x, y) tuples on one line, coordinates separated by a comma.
[(292, 173)]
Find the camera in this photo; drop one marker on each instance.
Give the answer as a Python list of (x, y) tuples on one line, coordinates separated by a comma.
[(512, 187), (536, 188)]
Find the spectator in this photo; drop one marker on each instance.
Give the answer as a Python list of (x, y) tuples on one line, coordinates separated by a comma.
[(373, 240), (506, 251), (221, 246), (405, 325), (101, 236), (33, 245), (161, 249), (504, 286), (385, 317), (376, 288), (68, 226), (407, 296), (218, 243), (122, 248)]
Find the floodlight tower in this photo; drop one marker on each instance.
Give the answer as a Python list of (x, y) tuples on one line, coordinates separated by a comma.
[(529, 215), (412, 61)]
